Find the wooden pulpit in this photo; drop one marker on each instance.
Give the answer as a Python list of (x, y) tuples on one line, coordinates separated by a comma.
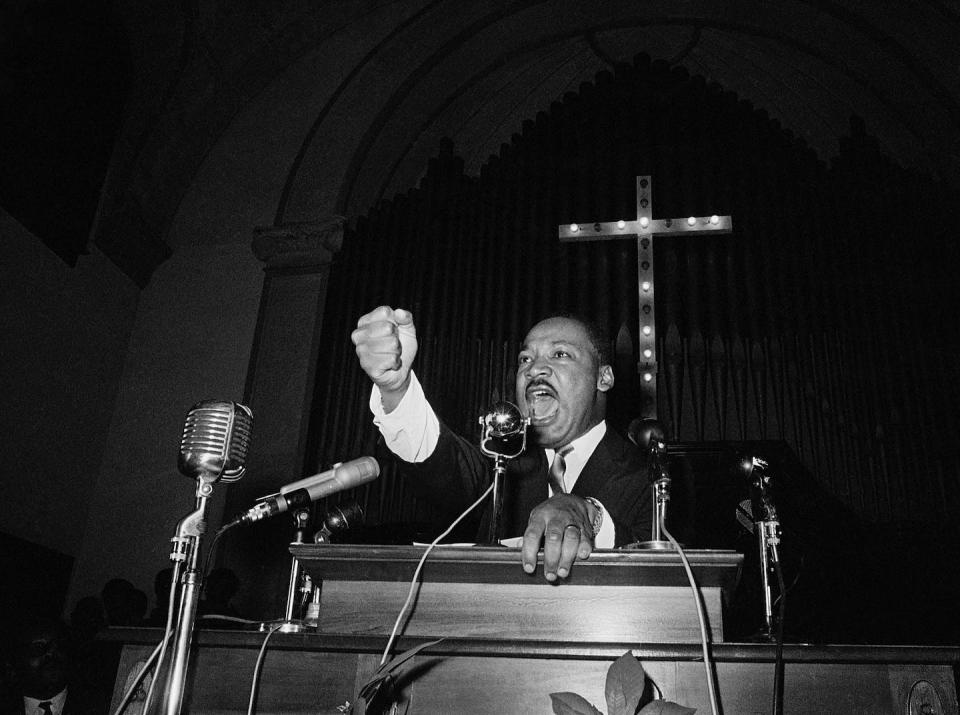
[(482, 592), (510, 639)]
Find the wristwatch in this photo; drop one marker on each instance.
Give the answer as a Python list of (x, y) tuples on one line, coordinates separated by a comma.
[(598, 521)]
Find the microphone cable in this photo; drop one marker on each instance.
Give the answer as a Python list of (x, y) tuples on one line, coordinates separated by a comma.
[(416, 573), (159, 652), (207, 562), (778, 659), (701, 617), (127, 696), (259, 664)]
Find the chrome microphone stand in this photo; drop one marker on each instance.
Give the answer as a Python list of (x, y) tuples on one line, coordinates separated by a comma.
[(649, 433), (292, 622), (764, 515), (503, 436), (661, 498), (338, 518), (768, 538), (496, 519), (216, 436), (185, 552), (768, 534)]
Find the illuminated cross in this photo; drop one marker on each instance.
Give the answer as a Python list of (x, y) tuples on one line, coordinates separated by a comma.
[(645, 227)]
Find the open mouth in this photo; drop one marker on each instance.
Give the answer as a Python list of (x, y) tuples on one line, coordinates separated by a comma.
[(542, 403)]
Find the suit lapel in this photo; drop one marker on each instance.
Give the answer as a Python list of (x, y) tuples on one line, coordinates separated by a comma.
[(602, 463)]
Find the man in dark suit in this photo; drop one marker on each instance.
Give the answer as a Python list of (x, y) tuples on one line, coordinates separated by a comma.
[(42, 674), (582, 486)]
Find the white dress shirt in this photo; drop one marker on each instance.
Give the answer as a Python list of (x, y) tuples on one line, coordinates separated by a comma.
[(31, 706)]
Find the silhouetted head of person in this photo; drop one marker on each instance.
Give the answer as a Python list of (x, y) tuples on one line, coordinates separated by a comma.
[(87, 618), (123, 604), (161, 584)]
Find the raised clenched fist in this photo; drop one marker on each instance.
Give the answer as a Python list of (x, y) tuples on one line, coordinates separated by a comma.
[(386, 342)]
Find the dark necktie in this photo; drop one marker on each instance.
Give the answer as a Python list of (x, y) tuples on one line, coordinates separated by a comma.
[(45, 708), (557, 470)]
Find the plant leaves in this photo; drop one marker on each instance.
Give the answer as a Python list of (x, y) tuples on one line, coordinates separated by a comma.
[(572, 704), (384, 678), (665, 707), (624, 687), (405, 656), (372, 688)]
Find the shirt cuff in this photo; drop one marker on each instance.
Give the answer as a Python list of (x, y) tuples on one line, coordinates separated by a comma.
[(606, 538), (412, 429)]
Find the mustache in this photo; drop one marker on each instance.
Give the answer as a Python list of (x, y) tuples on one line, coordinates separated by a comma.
[(539, 382)]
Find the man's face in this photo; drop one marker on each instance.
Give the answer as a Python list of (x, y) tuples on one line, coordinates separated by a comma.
[(560, 383), (42, 660)]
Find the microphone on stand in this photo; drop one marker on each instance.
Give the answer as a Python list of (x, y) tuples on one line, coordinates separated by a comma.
[(648, 434), (503, 436), (764, 498), (338, 518), (216, 437), (758, 515), (295, 496), (504, 431), (761, 496), (764, 513), (300, 493)]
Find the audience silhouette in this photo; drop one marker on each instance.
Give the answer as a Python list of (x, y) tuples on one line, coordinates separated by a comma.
[(48, 666), (161, 592), (123, 604)]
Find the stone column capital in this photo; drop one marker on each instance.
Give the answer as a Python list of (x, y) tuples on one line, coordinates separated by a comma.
[(300, 244)]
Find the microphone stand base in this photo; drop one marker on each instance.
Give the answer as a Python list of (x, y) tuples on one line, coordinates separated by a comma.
[(288, 627), (649, 546), (762, 636)]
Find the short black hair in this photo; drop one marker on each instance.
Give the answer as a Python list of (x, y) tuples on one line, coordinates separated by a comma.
[(595, 334)]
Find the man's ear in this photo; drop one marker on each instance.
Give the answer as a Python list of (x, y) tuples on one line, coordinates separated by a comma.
[(605, 378)]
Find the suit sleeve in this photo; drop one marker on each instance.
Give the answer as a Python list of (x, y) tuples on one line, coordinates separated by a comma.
[(450, 479), (630, 508), (624, 490)]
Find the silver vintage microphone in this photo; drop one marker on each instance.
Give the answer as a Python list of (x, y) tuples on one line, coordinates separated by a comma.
[(216, 437), (298, 494), (503, 436), (503, 431)]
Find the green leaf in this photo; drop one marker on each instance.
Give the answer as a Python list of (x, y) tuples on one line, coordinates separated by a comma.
[(572, 704), (665, 707), (624, 687)]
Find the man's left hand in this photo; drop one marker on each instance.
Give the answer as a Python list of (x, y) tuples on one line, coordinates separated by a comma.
[(564, 524)]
